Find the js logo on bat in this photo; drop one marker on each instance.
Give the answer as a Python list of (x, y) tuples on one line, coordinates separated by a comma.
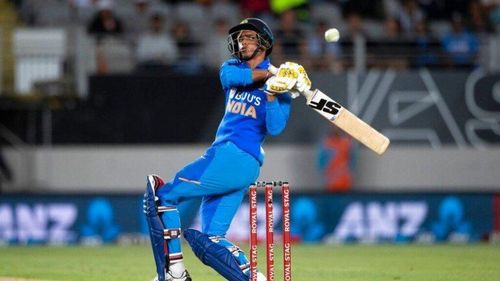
[(326, 106)]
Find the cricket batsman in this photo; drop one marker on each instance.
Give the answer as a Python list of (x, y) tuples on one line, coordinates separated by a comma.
[(257, 104)]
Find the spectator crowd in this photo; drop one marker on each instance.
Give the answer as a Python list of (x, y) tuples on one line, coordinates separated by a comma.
[(187, 36)]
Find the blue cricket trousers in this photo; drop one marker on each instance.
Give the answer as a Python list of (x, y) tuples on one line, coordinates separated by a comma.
[(221, 176)]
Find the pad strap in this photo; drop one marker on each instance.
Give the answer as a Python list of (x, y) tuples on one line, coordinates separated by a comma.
[(171, 233), (162, 209), (233, 249), (175, 258)]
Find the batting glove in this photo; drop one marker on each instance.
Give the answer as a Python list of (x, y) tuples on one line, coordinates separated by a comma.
[(303, 82), (279, 85), (288, 70)]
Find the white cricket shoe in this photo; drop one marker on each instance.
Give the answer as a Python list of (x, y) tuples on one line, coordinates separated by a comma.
[(168, 277), (184, 277)]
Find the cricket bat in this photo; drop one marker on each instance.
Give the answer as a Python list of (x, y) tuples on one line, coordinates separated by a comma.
[(344, 119)]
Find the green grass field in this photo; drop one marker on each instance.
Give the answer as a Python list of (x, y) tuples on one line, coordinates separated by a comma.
[(310, 262)]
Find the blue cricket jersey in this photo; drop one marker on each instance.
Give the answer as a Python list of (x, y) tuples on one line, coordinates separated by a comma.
[(249, 117)]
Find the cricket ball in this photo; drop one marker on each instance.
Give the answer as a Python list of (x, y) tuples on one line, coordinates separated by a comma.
[(332, 35)]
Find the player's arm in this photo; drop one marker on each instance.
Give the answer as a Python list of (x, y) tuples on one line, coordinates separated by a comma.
[(289, 77), (277, 113), (260, 74), (278, 103), (233, 76)]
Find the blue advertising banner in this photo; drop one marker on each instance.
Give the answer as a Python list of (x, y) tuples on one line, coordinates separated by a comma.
[(329, 218), (393, 217)]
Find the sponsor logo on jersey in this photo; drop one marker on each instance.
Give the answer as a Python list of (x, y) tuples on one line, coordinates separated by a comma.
[(243, 103)]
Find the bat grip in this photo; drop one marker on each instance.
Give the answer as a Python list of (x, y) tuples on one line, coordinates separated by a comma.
[(273, 69)]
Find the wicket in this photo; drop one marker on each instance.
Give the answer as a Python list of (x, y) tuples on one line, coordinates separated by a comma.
[(285, 203)]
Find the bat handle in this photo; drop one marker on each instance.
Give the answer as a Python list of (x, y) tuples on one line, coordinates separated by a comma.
[(274, 70)]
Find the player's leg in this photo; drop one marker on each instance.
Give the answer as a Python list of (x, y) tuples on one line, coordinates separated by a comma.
[(219, 171), (217, 213), (214, 255), (238, 255), (155, 224), (234, 170), (165, 225), (211, 246), (185, 184)]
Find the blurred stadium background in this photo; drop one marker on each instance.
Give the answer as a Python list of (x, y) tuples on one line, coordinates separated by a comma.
[(95, 95)]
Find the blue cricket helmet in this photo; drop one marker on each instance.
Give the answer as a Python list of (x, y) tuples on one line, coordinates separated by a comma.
[(265, 35)]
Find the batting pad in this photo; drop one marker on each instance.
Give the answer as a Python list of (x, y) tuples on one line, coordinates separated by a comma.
[(156, 231), (214, 255)]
